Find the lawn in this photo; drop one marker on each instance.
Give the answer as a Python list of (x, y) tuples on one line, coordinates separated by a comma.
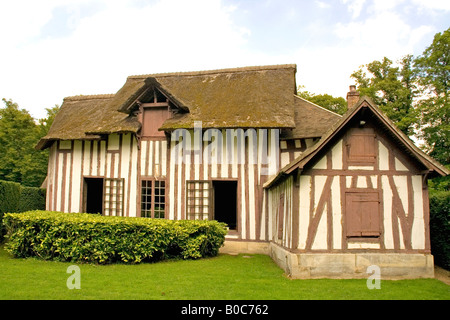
[(225, 277)]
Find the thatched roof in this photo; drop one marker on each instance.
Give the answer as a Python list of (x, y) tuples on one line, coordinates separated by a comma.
[(384, 123), (239, 97), (251, 97), (311, 120), (79, 116)]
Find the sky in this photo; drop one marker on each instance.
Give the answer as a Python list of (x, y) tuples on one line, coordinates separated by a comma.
[(50, 49)]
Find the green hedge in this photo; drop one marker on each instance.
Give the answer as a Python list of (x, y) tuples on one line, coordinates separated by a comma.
[(9, 196), (31, 198), (440, 227), (82, 237), (17, 198), (9, 200)]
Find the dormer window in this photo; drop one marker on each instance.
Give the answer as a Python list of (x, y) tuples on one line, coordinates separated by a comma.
[(154, 110)]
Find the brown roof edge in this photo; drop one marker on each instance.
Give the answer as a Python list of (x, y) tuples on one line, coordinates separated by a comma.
[(45, 143), (309, 153)]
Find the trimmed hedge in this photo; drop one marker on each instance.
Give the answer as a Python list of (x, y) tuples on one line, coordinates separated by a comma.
[(440, 227), (9, 200), (9, 196), (82, 237), (17, 198), (31, 198)]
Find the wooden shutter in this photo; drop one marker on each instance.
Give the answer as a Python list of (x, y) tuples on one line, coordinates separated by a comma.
[(153, 119), (361, 146), (362, 214)]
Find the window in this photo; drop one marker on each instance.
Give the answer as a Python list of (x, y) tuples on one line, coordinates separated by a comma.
[(113, 197), (199, 204), (362, 213), (153, 199), (361, 146)]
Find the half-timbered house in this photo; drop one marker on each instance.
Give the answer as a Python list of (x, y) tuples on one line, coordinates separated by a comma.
[(324, 195)]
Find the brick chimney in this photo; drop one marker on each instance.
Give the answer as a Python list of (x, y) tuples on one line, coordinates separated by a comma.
[(352, 97)]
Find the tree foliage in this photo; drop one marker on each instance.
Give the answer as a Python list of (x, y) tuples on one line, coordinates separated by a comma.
[(433, 76), (415, 95), (392, 88), (413, 92), (19, 133), (335, 104)]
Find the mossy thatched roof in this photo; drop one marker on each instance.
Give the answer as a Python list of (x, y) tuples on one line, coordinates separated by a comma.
[(80, 116), (311, 120), (251, 97), (239, 97)]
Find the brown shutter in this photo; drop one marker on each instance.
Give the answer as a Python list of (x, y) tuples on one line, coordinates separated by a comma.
[(361, 146), (153, 119), (362, 214)]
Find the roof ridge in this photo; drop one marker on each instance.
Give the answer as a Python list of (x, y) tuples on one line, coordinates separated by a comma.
[(89, 97), (215, 71)]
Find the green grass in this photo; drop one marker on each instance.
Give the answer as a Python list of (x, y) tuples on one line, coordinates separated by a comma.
[(225, 277)]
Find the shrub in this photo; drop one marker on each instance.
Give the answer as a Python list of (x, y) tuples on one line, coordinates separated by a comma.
[(17, 198), (31, 198), (440, 227), (9, 196), (9, 200), (82, 237)]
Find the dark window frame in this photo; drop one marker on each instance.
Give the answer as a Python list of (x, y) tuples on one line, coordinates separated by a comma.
[(155, 199)]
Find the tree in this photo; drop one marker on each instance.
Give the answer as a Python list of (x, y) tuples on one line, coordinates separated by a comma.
[(335, 104), (19, 160), (433, 76), (392, 88)]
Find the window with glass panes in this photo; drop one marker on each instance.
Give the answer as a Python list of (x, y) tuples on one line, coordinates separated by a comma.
[(153, 198), (199, 200)]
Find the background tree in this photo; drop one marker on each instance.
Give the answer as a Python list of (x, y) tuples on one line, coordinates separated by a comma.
[(433, 76), (19, 133), (335, 104), (392, 88)]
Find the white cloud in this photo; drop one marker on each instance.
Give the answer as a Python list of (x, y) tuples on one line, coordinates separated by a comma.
[(355, 7), (106, 47), (122, 38), (322, 4), (440, 5), (383, 34)]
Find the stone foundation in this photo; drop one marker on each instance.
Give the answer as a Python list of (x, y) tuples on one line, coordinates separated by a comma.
[(338, 265), (352, 265), (252, 247)]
